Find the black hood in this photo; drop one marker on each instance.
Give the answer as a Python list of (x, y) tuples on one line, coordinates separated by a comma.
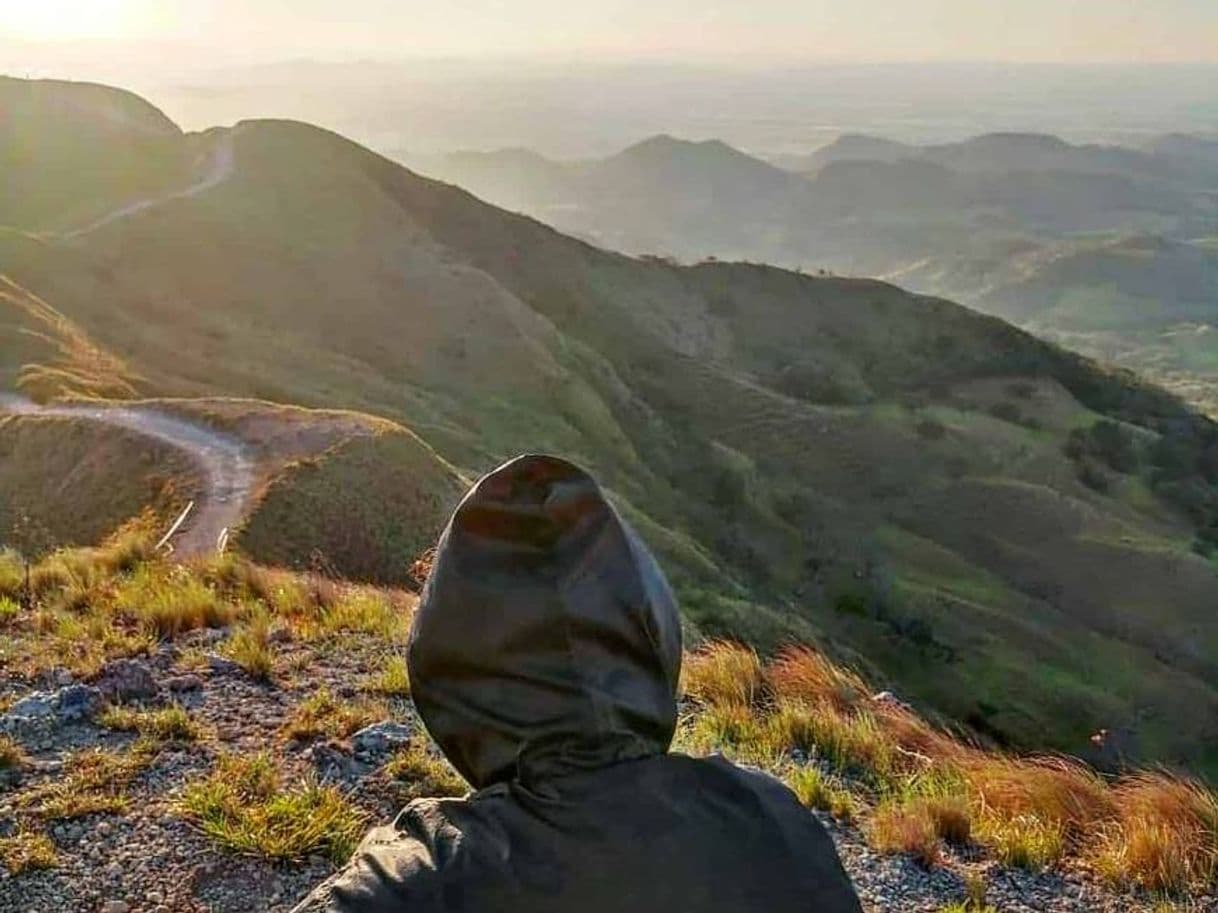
[(547, 639)]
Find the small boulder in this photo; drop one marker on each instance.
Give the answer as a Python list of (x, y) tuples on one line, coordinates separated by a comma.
[(127, 680), (77, 702), (332, 762), (39, 705), (182, 683), (381, 738)]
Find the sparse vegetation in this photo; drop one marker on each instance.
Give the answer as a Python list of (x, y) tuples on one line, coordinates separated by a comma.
[(920, 788), (166, 725), (12, 757), (323, 715), (425, 773), (250, 646), (245, 806), (28, 851), (393, 677), (94, 782)]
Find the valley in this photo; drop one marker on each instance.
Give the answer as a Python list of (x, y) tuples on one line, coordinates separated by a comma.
[(1012, 537), (1104, 248)]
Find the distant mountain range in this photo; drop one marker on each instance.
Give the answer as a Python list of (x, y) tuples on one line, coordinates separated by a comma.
[(965, 220), (1002, 530)]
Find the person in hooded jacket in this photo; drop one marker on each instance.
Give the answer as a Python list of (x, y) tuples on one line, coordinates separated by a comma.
[(544, 660)]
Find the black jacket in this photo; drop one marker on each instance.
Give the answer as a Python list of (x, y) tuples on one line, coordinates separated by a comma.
[(544, 660)]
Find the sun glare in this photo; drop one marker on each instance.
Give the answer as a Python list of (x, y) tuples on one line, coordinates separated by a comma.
[(43, 20)]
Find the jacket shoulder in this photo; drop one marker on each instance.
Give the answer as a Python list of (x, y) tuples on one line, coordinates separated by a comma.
[(398, 866)]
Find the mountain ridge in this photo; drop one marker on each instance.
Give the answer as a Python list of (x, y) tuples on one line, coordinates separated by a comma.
[(786, 442)]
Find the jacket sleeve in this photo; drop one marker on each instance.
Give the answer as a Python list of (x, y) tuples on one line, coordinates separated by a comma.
[(392, 871)]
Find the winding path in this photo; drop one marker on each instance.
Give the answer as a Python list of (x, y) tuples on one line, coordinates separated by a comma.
[(227, 464), (219, 169)]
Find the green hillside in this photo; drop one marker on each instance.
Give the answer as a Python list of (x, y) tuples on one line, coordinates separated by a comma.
[(997, 528)]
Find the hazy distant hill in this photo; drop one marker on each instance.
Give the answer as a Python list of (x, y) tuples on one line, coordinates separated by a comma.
[(961, 219), (998, 527)]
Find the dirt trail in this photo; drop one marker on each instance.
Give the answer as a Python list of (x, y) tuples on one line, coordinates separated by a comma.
[(227, 464), (219, 169)]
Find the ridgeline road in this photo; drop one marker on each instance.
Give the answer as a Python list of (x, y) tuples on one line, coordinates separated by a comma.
[(226, 463), (219, 169)]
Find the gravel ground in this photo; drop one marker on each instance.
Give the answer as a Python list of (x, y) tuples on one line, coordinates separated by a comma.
[(148, 860)]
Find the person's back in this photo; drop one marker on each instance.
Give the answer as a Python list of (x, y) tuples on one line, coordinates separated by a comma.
[(544, 661)]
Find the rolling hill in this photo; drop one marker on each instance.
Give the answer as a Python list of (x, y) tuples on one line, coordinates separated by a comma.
[(1002, 530), (1007, 223)]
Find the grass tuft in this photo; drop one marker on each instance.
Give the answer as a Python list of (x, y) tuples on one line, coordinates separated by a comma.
[(250, 646), (723, 674), (424, 773), (324, 716), (168, 725), (12, 756), (94, 782), (169, 602), (28, 851), (392, 679), (902, 829), (244, 806)]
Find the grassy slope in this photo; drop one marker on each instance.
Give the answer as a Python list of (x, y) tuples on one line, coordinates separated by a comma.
[(887, 775), (768, 430), (80, 150), (79, 481)]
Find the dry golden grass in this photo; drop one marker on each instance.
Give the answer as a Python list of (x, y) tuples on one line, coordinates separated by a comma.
[(804, 675), (324, 716), (424, 773), (927, 788), (27, 851), (12, 757), (723, 674), (899, 829), (1165, 838)]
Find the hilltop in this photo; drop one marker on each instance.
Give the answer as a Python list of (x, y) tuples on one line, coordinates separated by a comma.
[(226, 732), (1006, 533)]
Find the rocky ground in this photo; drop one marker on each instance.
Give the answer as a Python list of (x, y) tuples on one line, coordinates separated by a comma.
[(148, 858)]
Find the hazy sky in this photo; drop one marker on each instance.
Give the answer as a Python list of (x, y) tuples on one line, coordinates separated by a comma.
[(806, 31)]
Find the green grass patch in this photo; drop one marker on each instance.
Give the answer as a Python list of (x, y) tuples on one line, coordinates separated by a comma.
[(424, 773), (245, 806)]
